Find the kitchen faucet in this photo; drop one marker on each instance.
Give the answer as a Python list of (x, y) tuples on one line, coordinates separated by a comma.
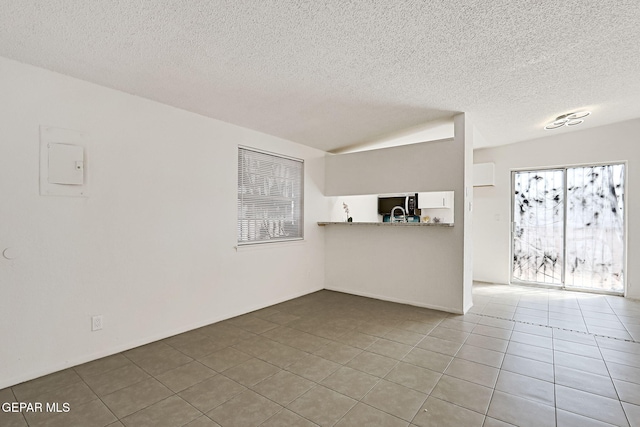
[(404, 214)]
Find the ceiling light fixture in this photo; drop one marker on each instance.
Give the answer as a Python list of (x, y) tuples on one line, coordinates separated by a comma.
[(570, 119)]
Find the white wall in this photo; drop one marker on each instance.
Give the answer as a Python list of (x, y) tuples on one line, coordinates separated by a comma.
[(612, 143), (152, 248), (422, 266)]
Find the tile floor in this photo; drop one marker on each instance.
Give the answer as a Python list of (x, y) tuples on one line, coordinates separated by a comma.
[(523, 356)]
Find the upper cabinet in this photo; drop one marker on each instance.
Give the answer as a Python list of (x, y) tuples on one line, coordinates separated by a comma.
[(435, 200)]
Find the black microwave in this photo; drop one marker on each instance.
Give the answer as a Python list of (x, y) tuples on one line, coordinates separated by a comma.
[(408, 201)]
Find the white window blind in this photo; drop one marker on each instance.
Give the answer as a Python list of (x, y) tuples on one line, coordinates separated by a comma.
[(270, 197)]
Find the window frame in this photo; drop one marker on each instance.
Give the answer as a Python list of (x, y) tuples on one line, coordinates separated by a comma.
[(241, 203)]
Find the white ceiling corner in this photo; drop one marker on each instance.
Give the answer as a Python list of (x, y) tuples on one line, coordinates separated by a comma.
[(335, 74)]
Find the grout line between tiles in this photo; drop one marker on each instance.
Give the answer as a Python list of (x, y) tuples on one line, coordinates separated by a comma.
[(556, 327)]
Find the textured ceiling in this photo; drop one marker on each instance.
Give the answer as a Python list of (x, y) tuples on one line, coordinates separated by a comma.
[(338, 73)]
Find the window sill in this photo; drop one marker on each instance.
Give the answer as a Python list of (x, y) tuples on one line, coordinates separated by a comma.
[(268, 245)]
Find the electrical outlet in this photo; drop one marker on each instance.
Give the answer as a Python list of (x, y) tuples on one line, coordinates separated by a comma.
[(96, 323)]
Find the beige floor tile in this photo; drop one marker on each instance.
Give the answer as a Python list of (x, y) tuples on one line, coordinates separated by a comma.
[(585, 381), (569, 419), (457, 325), (224, 359), (628, 392), (531, 339), (357, 339), (200, 346), (74, 394), (526, 387), (521, 412), (528, 367), (131, 399), (577, 348), (481, 355), (307, 342), (582, 363), (395, 399), (579, 337), (492, 422), (256, 345), (162, 360), (414, 377), (91, 414), (251, 372), (31, 389), (225, 334), (365, 415), (338, 352), (388, 348), (211, 392), (373, 328), (252, 324), (543, 331), (473, 372), (314, 368), (103, 365), (633, 413), (350, 382), (170, 412), (12, 419), (439, 345), (248, 409), (530, 351), (627, 347), (404, 337), (372, 363), (203, 421), (108, 382), (185, 376), (489, 343), (497, 323), (284, 387), (428, 359), (282, 355), (449, 334), (438, 413), (490, 331), (590, 405), (463, 393), (624, 372), (286, 418), (621, 357), (417, 327), (322, 406)]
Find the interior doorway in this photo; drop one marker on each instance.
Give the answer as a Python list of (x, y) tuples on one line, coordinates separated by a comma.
[(568, 227)]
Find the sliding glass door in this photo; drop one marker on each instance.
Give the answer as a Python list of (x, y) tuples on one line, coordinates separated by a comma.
[(568, 227)]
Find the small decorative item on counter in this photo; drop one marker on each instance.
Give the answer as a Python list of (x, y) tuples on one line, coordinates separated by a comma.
[(346, 210), (426, 218), (436, 220)]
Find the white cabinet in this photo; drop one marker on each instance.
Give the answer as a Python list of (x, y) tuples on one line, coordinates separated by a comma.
[(435, 200)]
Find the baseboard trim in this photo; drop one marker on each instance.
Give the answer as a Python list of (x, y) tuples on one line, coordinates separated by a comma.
[(398, 300)]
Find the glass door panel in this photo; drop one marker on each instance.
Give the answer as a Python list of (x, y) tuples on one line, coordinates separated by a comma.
[(595, 228), (538, 234)]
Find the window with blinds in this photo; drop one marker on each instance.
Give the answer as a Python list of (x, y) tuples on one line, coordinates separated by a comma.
[(270, 197)]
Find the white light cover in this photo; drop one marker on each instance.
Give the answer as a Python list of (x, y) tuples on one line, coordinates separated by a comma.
[(578, 115), (571, 119)]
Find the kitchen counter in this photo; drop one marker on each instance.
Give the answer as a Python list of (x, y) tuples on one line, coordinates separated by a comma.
[(391, 224)]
